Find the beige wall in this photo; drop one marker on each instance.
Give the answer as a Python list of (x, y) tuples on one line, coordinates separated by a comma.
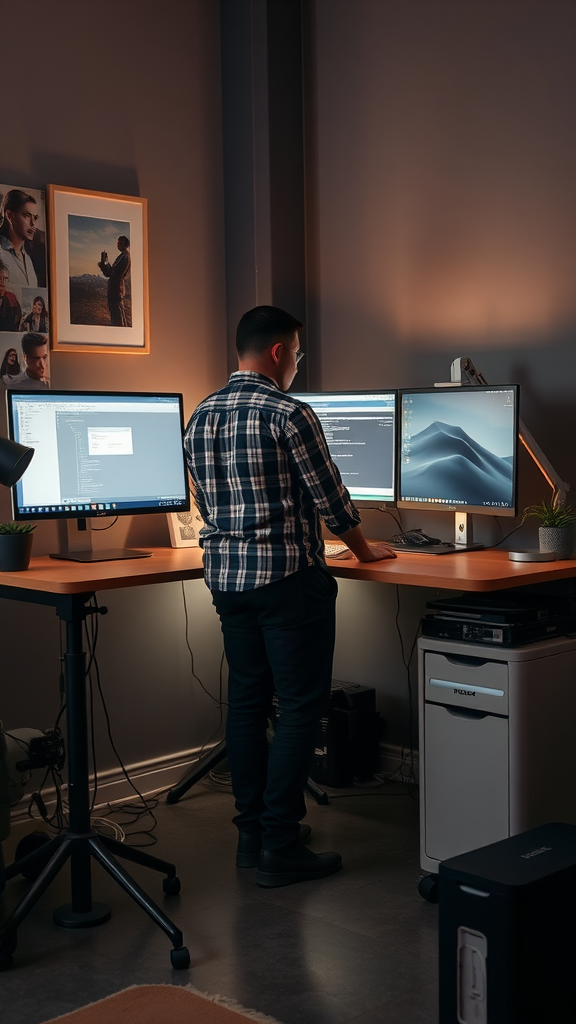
[(442, 223), (445, 205), (127, 100)]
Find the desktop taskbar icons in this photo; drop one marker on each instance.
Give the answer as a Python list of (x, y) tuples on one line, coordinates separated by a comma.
[(45, 509)]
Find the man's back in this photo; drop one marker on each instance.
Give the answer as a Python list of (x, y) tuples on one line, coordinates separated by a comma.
[(263, 474)]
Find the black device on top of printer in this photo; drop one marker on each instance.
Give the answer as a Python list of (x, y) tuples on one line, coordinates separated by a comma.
[(494, 618)]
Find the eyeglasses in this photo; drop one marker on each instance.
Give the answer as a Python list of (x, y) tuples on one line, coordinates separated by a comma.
[(298, 355)]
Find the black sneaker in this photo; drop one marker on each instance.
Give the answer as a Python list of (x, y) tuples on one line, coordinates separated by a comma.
[(294, 863), (250, 846)]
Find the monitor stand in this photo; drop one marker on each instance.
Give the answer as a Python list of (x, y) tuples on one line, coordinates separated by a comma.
[(462, 537), (462, 540), (76, 543), (463, 533), (104, 555)]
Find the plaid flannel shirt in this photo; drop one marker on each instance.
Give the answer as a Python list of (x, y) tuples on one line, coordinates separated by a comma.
[(263, 478)]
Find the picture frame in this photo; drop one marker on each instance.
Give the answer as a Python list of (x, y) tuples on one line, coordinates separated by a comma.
[(184, 527), (98, 272)]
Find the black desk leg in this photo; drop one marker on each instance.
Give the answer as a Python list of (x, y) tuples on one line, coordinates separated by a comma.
[(198, 770), (205, 764)]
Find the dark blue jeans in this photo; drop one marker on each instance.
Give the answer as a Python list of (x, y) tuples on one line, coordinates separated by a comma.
[(279, 640)]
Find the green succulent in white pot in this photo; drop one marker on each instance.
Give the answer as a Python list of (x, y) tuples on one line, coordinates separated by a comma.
[(556, 530), (15, 546)]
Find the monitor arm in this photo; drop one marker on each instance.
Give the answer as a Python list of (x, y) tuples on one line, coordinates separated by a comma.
[(463, 371)]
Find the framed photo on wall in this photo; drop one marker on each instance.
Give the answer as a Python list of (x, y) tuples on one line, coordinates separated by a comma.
[(98, 271)]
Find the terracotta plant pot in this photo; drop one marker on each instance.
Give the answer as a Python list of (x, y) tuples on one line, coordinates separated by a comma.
[(559, 539), (15, 551)]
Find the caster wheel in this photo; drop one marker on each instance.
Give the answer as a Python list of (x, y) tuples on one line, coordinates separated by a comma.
[(171, 886), (180, 958), (428, 888), (29, 844)]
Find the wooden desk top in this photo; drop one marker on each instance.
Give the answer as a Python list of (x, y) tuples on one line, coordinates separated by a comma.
[(55, 576), (469, 571)]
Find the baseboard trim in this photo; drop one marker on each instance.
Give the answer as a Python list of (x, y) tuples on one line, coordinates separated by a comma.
[(149, 777), (160, 774)]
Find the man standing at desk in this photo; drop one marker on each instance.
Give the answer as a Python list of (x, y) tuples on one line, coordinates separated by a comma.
[(264, 479)]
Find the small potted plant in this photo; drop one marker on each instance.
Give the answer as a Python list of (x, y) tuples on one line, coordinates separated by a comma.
[(15, 546), (556, 530)]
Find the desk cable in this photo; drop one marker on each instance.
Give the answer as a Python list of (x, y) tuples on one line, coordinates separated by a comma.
[(221, 779), (145, 807)]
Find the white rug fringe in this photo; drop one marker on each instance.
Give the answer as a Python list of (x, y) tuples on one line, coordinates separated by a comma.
[(231, 1004)]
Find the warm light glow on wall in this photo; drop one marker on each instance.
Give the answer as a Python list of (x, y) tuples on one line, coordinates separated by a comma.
[(445, 173), (463, 273)]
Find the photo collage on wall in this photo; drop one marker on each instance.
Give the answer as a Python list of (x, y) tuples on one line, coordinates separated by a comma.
[(24, 323)]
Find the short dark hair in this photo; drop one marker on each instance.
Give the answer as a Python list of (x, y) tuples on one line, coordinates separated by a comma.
[(124, 239), (262, 326), (33, 340)]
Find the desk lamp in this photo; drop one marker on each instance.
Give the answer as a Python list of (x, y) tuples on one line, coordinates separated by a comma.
[(14, 461)]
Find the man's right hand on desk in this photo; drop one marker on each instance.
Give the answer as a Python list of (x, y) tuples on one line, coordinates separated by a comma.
[(378, 551), (375, 551)]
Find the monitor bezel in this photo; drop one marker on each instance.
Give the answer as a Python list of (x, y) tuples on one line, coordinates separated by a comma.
[(20, 516), (364, 503), (432, 506)]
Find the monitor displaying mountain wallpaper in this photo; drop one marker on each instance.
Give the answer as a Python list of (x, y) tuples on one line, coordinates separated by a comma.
[(458, 449)]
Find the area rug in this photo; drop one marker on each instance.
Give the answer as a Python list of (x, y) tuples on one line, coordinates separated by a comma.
[(160, 1004)]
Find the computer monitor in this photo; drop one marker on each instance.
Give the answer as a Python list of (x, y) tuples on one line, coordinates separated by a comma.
[(360, 428), (98, 454), (458, 449)]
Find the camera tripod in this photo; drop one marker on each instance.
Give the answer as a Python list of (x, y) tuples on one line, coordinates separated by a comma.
[(79, 843)]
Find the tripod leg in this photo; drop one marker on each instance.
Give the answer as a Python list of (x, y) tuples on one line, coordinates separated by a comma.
[(136, 856), (33, 861), (135, 891), (37, 889)]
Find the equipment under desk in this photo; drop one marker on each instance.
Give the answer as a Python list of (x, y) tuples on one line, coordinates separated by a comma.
[(69, 587)]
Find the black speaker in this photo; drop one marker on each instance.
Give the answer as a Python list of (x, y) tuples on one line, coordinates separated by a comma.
[(507, 931), (348, 736)]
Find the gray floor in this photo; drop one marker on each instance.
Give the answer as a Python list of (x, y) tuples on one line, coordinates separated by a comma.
[(358, 946)]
